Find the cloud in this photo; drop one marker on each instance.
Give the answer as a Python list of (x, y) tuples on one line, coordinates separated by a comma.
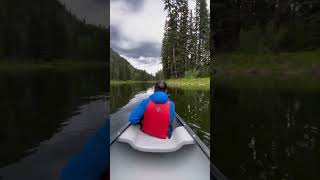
[(136, 31), (133, 5), (137, 25), (149, 64)]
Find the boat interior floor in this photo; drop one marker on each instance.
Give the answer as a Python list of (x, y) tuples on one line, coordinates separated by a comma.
[(187, 163)]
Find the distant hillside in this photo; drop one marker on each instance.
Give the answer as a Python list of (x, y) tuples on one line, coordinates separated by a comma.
[(44, 30), (121, 69)]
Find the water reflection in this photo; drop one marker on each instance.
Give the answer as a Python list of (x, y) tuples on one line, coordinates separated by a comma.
[(193, 107), (35, 105), (267, 131), (121, 93)]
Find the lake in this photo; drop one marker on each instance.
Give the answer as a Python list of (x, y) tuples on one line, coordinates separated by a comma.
[(191, 104), (47, 116), (267, 127)]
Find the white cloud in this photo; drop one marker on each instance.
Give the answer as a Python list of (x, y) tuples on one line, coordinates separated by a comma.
[(150, 64), (139, 26), (135, 27)]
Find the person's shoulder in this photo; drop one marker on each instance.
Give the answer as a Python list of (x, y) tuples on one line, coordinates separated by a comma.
[(145, 101), (171, 102)]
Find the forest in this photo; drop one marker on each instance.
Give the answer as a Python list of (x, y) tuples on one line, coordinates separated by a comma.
[(45, 31), (185, 48), (264, 26), (122, 70)]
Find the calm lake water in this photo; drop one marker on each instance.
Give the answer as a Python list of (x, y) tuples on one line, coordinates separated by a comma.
[(191, 105), (46, 117), (267, 128)]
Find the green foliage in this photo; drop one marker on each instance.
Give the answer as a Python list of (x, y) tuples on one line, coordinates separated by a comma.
[(200, 73), (122, 70), (191, 74), (252, 41), (159, 75), (190, 83), (264, 26), (303, 63), (44, 30), (185, 45)]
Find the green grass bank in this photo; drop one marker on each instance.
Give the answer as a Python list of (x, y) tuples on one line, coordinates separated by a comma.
[(190, 83), (296, 63), (187, 83), (119, 82)]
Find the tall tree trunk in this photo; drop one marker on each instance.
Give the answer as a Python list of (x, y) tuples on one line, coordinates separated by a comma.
[(174, 60)]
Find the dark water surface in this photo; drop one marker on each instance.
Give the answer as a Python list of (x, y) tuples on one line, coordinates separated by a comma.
[(121, 94), (267, 128), (46, 116), (192, 105)]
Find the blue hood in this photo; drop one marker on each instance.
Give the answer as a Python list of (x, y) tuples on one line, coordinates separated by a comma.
[(159, 97)]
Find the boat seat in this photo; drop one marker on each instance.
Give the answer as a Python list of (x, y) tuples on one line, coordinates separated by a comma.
[(146, 143)]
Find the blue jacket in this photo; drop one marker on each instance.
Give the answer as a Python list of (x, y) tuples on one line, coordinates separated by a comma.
[(158, 98)]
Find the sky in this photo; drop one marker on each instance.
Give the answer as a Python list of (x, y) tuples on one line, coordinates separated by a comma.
[(136, 27), (93, 11)]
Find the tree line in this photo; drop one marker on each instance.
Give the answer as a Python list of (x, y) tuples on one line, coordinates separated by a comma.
[(45, 30), (264, 26), (185, 45), (122, 70)]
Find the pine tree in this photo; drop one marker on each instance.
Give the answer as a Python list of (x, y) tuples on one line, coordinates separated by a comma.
[(165, 53), (203, 46), (182, 37), (171, 8), (192, 42), (185, 45)]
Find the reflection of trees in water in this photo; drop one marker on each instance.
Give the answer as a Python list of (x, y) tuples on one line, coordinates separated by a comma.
[(193, 106), (122, 93), (269, 134), (34, 104)]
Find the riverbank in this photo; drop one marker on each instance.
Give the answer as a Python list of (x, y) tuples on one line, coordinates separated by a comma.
[(7, 66), (188, 83), (297, 63), (191, 83), (119, 82)]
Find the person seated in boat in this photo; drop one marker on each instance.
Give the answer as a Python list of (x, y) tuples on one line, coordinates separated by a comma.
[(155, 114)]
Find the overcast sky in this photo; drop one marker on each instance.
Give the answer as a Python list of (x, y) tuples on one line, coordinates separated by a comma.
[(137, 28), (93, 11)]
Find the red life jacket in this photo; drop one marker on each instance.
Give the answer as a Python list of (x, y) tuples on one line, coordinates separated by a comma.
[(156, 119)]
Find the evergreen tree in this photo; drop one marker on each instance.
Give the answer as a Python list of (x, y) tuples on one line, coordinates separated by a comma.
[(203, 46), (123, 70), (185, 45), (171, 8), (192, 43), (165, 53), (182, 37), (45, 30)]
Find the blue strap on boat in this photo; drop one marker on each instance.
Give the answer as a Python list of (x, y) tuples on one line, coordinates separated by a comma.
[(92, 161)]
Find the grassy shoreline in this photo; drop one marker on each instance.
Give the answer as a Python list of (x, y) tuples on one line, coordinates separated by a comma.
[(191, 83), (58, 65), (119, 82), (296, 63)]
